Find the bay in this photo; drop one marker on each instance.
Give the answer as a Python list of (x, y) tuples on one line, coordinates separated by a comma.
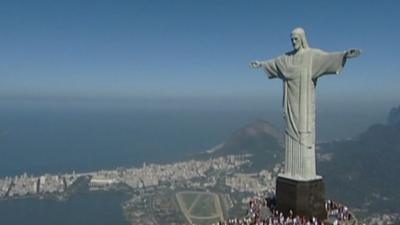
[(101, 208), (56, 137)]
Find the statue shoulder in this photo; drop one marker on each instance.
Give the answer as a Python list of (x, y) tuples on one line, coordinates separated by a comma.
[(317, 50)]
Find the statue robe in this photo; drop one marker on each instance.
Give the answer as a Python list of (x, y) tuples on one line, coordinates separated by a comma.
[(299, 73)]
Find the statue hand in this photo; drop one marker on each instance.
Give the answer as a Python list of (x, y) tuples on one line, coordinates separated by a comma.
[(352, 53), (255, 64)]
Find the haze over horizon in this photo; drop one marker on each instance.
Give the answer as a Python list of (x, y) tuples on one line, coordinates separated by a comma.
[(187, 50)]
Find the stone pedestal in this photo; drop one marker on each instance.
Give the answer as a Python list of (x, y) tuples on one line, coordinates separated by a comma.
[(303, 197)]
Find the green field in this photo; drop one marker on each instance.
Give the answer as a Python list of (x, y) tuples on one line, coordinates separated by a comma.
[(205, 206), (188, 198), (200, 207)]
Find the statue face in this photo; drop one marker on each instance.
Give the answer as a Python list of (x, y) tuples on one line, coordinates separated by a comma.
[(296, 42)]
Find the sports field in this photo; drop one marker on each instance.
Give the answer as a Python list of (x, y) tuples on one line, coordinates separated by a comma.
[(200, 207)]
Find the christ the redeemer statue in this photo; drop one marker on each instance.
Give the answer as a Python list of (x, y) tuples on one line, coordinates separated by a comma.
[(299, 71)]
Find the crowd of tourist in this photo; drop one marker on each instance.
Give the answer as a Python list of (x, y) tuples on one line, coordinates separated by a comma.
[(337, 212), (262, 211)]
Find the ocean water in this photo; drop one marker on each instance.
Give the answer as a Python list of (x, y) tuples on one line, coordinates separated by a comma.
[(82, 209), (40, 137), (57, 137)]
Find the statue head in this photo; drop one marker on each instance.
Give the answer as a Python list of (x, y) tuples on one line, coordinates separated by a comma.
[(299, 40)]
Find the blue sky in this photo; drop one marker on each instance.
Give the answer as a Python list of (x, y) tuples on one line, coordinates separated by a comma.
[(189, 49)]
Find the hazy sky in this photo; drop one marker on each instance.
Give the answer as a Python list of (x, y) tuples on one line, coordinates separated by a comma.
[(153, 49)]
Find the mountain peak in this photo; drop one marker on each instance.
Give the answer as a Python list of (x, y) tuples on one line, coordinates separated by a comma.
[(260, 127), (394, 116), (259, 139)]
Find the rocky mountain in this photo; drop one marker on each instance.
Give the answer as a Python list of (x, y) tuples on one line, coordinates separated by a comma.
[(394, 116), (362, 172), (259, 138)]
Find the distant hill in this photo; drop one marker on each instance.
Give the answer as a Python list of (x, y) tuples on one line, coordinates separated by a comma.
[(364, 171), (259, 138), (394, 116)]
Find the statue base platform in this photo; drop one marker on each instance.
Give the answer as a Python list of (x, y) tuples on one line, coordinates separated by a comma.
[(303, 197)]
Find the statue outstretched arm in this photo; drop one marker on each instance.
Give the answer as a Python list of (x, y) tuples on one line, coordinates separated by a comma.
[(269, 67), (255, 64), (352, 53)]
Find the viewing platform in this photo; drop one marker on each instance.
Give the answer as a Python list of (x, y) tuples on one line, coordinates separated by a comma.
[(262, 211)]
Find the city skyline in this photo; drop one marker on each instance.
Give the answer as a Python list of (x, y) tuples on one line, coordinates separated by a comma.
[(188, 49)]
